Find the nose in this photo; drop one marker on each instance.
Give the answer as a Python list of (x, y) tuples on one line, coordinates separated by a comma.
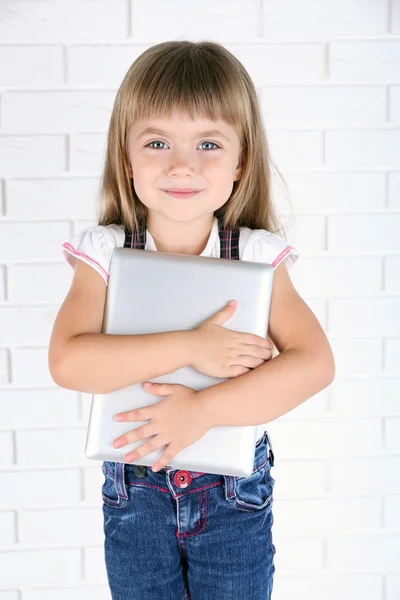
[(181, 165)]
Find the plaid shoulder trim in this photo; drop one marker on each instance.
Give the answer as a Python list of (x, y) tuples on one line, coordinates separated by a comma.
[(229, 241)]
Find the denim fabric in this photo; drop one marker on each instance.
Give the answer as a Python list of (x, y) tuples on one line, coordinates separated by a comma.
[(210, 539)]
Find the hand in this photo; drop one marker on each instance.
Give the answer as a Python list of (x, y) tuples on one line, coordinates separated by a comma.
[(218, 351), (178, 421)]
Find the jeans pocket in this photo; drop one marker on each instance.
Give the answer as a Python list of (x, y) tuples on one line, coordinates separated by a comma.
[(251, 493), (113, 490)]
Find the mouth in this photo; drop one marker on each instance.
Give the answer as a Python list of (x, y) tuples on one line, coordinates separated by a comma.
[(181, 193)]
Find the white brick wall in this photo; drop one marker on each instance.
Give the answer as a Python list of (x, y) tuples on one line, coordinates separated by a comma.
[(328, 75)]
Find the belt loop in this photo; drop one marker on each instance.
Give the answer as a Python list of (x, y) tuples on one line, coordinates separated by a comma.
[(271, 452), (120, 485), (267, 437), (229, 486)]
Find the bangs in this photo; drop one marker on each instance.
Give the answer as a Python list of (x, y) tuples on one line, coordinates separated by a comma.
[(186, 80)]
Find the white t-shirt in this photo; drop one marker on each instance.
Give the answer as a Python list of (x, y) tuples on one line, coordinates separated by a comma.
[(95, 245)]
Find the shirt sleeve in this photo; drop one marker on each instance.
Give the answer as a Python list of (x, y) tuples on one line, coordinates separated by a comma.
[(94, 246), (273, 249)]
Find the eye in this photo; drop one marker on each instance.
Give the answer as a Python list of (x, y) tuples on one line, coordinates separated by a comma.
[(210, 143), (149, 145), (155, 142)]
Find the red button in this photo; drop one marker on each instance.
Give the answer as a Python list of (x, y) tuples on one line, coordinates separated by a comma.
[(182, 479)]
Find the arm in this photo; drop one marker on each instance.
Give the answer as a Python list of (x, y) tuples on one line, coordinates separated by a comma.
[(83, 358), (99, 363), (304, 366)]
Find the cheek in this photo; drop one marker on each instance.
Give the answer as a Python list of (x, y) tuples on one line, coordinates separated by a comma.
[(146, 162), (220, 173), (220, 166), (146, 171), (145, 158)]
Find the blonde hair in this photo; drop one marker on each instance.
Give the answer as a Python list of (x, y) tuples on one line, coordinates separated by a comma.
[(199, 79)]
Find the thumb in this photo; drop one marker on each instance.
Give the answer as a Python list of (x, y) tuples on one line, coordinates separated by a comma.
[(224, 314), (161, 389)]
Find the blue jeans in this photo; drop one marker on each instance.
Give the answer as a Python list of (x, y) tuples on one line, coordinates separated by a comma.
[(180, 535)]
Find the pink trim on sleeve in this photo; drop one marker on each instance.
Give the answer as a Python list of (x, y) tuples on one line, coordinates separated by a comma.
[(282, 255), (72, 250)]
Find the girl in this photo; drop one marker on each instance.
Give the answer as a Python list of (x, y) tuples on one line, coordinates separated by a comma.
[(187, 169)]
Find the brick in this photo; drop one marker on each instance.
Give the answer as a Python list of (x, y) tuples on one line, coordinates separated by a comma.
[(56, 111), (53, 407), (24, 156), (41, 20), (323, 19), (373, 233), (225, 19), (365, 317), (324, 105), (327, 192), (50, 198), (363, 148), (342, 276), (362, 60), (30, 65), (365, 397)]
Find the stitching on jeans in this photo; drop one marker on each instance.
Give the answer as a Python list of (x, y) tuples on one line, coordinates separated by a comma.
[(205, 487), (239, 502), (108, 471), (120, 495), (205, 516), (234, 479), (142, 484)]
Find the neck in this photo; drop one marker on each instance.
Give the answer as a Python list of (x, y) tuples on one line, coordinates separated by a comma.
[(182, 237)]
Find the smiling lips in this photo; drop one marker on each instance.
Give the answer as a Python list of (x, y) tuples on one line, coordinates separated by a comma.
[(182, 193)]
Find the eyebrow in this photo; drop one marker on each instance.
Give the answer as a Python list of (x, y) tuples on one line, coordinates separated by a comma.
[(155, 130)]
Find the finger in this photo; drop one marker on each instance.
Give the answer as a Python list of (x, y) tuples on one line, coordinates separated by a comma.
[(255, 340), (164, 459), (245, 360), (237, 370), (144, 449), (133, 436), (137, 414), (256, 351)]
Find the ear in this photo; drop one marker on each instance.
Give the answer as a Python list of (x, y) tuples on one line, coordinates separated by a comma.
[(239, 167)]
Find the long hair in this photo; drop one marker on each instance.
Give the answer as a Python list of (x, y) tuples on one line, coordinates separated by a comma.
[(201, 79)]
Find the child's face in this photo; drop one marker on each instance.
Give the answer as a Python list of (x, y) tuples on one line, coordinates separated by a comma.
[(177, 154)]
